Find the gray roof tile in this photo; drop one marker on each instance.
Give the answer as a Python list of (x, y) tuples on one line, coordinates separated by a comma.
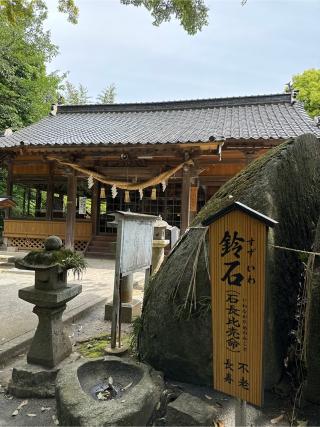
[(251, 117)]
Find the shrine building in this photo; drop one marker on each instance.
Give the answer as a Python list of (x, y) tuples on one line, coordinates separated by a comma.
[(69, 170)]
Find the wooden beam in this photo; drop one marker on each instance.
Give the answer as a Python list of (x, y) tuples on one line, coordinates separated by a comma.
[(185, 198), (94, 207), (71, 210)]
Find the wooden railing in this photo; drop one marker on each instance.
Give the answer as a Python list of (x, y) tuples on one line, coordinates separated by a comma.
[(41, 228)]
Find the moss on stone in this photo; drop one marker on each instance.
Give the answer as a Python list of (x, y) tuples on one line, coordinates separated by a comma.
[(284, 185), (95, 346), (237, 185), (65, 258)]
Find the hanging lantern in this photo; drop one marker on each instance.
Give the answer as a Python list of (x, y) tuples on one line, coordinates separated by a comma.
[(114, 191), (126, 197), (164, 186), (90, 182), (141, 193), (154, 194), (102, 193)]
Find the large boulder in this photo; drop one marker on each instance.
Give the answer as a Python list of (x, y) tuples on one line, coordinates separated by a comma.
[(283, 184), (312, 327)]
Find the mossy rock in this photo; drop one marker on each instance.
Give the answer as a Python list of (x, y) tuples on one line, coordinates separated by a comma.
[(284, 185), (53, 243)]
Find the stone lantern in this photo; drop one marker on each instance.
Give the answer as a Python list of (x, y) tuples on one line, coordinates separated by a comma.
[(159, 243), (50, 294)]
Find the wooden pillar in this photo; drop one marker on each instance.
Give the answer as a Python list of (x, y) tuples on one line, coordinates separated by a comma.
[(94, 207), (28, 202), (38, 203), (24, 201), (71, 210), (194, 198), (50, 192), (185, 198), (9, 186), (250, 155)]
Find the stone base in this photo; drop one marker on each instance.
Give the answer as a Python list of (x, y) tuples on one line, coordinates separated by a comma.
[(30, 380), (188, 410), (129, 311)]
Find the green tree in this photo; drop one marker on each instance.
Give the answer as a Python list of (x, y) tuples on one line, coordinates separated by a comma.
[(26, 90), (108, 95), (74, 95), (308, 86), (192, 14)]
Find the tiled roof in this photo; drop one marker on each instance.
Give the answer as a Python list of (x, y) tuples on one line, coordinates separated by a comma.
[(251, 117)]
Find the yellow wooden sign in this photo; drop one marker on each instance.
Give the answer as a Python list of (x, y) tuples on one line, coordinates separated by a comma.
[(237, 265)]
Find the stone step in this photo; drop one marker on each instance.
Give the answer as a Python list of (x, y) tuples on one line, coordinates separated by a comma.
[(102, 243), (100, 255), (105, 237), (102, 250)]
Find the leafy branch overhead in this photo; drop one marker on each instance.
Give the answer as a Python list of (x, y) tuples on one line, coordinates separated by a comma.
[(192, 14)]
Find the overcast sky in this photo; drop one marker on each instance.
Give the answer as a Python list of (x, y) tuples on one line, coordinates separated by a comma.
[(245, 50)]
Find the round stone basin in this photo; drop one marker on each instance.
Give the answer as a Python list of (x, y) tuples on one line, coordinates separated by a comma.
[(94, 377), (107, 392)]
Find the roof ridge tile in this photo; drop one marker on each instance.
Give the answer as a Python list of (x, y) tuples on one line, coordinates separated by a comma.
[(188, 104)]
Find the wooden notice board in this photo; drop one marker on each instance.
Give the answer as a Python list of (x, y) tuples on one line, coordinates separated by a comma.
[(237, 265)]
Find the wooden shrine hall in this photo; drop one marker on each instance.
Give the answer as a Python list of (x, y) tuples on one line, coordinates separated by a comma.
[(67, 172)]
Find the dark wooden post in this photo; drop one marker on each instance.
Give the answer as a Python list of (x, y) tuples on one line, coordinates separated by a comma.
[(29, 200), (71, 210), (50, 192), (24, 201), (38, 202), (185, 198), (94, 207), (9, 186)]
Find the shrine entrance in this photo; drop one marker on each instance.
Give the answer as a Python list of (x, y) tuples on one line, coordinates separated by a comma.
[(155, 201)]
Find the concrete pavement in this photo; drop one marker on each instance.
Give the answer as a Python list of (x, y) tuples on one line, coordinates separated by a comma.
[(17, 321)]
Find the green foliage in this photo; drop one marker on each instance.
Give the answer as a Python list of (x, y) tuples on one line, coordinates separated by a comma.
[(108, 95), (69, 7), (66, 258), (308, 85), (192, 14), (14, 10), (73, 95), (26, 90)]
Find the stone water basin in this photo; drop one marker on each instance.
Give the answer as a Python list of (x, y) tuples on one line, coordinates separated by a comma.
[(82, 393)]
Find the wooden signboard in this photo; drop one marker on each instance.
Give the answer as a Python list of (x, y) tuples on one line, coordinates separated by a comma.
[(237, 237), (136, 244), (133, 253)]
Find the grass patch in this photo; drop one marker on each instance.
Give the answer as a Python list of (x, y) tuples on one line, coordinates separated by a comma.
[(95, 346)]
